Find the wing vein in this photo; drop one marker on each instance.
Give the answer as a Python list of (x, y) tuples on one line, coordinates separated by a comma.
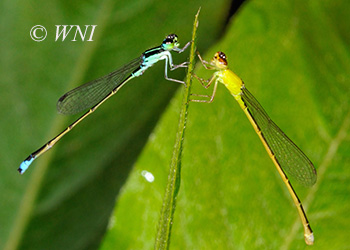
[(288, 155), (91, 93)]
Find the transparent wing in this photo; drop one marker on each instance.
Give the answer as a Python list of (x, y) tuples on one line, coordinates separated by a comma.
[(91, 93), (288, 155)]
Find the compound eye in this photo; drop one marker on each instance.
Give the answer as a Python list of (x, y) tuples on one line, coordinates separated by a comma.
[(219, 59), (172, 38), (222, 55)]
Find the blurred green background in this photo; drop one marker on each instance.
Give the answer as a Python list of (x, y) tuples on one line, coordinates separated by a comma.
[(90, 192)]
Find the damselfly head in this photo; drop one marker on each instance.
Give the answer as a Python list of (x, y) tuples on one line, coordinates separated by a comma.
[(170, 42), (219, 60)]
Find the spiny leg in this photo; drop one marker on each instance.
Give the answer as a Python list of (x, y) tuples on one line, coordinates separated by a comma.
[(205, 64), (209, 81), (169, 61)]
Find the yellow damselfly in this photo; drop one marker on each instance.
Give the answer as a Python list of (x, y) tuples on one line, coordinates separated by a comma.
[(286, 156)]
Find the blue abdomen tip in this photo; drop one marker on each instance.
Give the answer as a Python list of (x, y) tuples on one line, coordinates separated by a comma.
[(25, 164)]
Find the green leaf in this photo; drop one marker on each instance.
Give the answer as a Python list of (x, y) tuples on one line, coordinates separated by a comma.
[(294, 57), (65, 199)]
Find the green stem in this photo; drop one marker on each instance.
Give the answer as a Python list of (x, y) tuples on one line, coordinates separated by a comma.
[(174, 178)]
